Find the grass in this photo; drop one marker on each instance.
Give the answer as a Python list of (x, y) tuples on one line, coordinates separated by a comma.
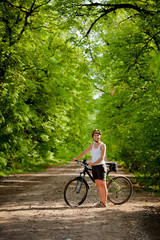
[(32, 167)]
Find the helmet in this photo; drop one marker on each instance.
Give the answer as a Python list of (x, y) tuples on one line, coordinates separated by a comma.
[(96, 131)]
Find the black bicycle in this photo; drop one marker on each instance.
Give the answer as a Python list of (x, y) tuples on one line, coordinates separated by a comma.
[(120, 188)]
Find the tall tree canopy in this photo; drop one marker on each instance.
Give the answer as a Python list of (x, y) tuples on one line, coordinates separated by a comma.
[(45, 88), (55, 55), (122, 40)]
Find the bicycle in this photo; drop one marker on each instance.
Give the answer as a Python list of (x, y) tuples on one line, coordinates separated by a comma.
[(120, 188)]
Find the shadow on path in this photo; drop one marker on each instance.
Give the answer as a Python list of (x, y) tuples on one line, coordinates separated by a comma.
[(32, 207)]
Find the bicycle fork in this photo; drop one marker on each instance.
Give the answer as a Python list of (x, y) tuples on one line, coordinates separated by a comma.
[(79, 183), (78, 188), (81, 179)]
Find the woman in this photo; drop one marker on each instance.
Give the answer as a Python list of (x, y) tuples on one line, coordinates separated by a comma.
[(98, 152)]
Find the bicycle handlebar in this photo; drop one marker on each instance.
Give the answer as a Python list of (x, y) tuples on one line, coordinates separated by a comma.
[(83, 162)]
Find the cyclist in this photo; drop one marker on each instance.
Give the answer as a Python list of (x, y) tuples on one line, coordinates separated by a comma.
[(98, 152)]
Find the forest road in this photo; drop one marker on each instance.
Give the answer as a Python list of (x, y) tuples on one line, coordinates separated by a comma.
[(32, 207)]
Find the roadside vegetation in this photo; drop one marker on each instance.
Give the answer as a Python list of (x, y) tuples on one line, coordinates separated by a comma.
[(68, 67)]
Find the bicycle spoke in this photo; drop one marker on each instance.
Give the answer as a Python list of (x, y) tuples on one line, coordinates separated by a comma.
[(75, 192), (119, 190)]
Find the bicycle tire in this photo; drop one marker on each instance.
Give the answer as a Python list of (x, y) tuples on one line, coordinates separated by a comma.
[(75, 193), (121, 193)]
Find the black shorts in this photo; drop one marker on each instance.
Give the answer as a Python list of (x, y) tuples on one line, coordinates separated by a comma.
[(99, 172)]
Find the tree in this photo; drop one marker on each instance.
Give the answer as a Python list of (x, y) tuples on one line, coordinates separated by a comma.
[(45, 88), (122, 38)]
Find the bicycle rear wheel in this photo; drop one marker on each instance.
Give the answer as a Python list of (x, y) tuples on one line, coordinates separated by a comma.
[(75, 192), (119, 190)]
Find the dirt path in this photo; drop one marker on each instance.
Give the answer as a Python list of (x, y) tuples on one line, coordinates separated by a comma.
[(32, 207)]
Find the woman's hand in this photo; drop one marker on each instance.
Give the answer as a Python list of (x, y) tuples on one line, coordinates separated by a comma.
[(74, 159), (90, 164)]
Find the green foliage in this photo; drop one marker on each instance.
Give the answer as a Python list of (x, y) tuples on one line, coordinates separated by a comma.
[(55, 55), (129, 117), (45, 88), (121, 39)]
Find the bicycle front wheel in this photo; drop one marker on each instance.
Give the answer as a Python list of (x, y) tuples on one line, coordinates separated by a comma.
[(75, 192), (119, 190)]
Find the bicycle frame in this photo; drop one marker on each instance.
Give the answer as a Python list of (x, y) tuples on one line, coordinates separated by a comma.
[(120, 188), (82, 178), (86, 171), (114, 183)]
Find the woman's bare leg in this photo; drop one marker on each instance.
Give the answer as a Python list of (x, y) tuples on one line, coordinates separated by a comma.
[(101, 185)]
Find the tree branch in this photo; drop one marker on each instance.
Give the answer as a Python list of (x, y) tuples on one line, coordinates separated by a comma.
[(119, 6), (106, 12), (23, 9), (154, 37), (138, 55), (101, 90), (113, 8)]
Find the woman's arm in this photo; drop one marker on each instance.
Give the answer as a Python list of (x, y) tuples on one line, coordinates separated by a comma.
[(83, 153)]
